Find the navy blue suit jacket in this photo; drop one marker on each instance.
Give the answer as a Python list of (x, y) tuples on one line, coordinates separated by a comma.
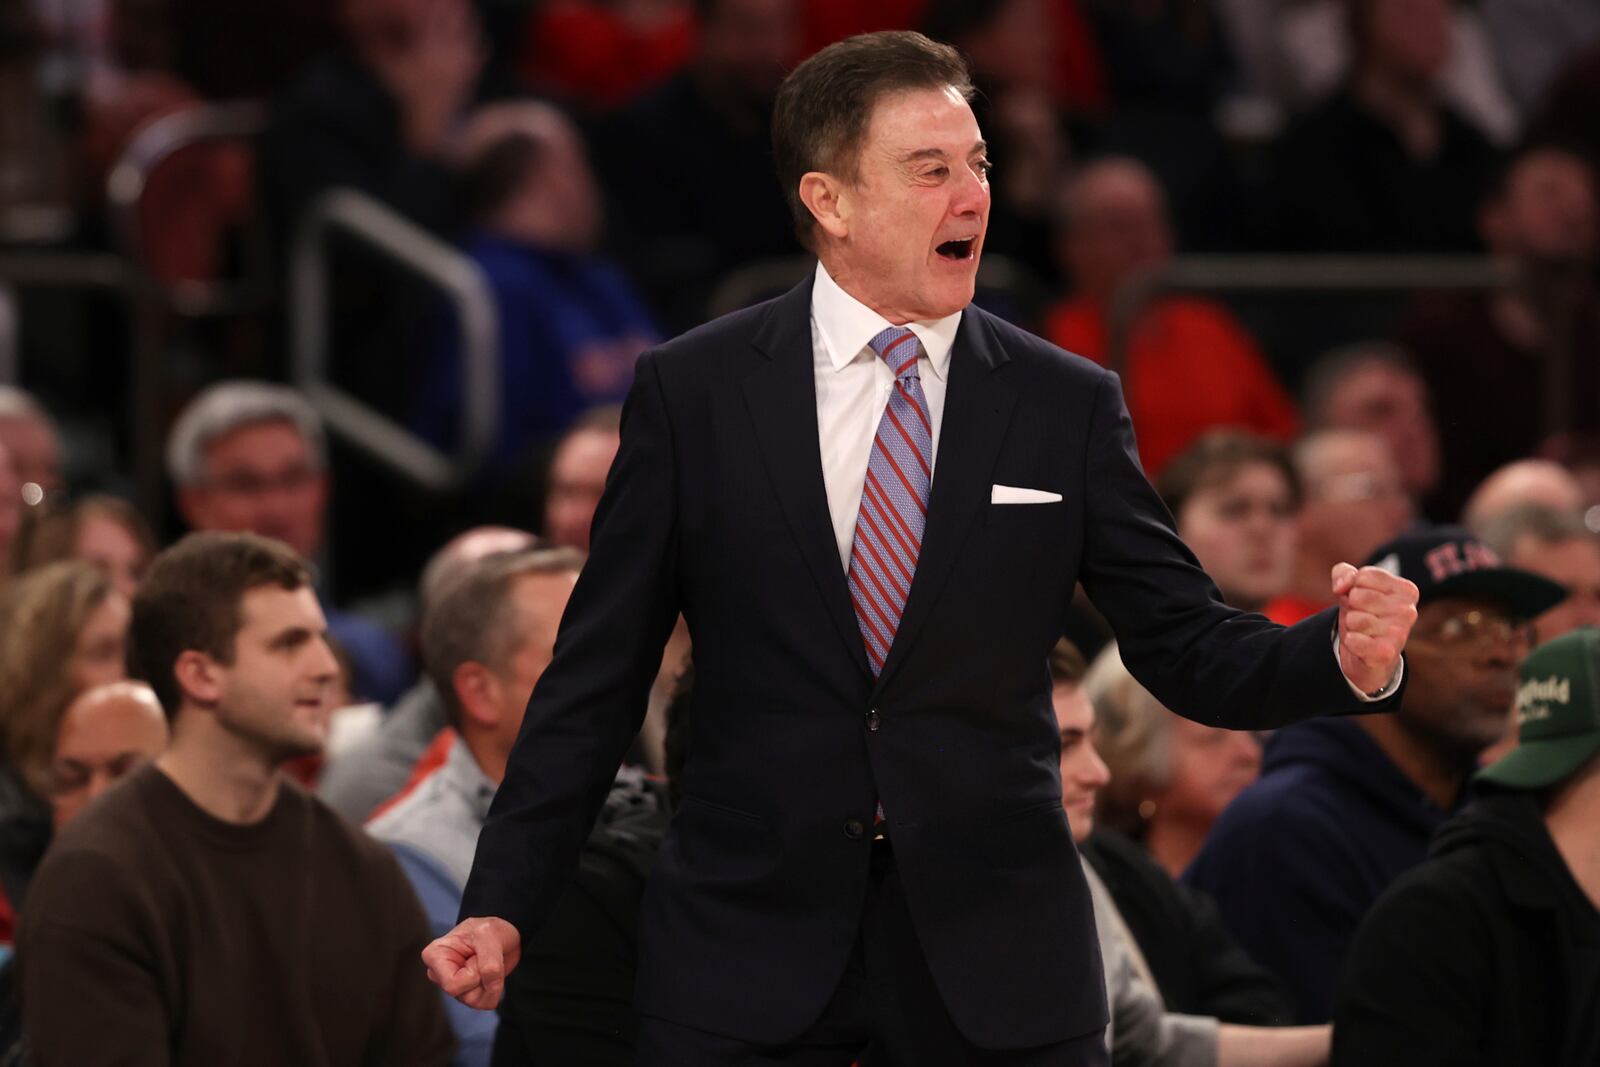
[(716, 507)]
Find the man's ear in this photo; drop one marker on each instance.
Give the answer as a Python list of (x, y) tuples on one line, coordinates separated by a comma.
[(478, 692), (199, 678), (826, 197)]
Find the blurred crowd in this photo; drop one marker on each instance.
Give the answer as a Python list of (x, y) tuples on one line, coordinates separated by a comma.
[(606, 166)]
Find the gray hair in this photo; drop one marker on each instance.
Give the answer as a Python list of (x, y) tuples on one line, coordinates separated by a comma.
[(1544, 524), (472, 620), (1133, 734), (220, 409), (1333, 367)]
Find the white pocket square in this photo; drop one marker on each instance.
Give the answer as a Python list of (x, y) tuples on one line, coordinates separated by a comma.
[(1011, 494)]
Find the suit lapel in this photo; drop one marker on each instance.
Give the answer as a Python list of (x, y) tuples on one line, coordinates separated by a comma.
[(781, 393), (977, 409)]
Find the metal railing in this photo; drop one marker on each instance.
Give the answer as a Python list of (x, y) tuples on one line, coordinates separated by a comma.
[(364, 218), (1291, 274)]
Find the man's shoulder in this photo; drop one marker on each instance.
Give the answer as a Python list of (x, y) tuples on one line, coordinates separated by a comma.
[(1034, 354)]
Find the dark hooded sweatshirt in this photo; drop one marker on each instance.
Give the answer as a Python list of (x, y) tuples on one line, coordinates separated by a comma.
[(1298, 858), (1487, 954)]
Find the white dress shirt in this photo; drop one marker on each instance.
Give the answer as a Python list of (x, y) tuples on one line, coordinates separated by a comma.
[(853, 387)]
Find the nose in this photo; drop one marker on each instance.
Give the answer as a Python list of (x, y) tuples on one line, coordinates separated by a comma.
[(1094, 774), (99, 781), (972, 195), (326, 665)]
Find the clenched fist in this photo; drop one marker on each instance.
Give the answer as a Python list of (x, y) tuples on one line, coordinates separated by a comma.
[(1376, 612), (471, 962)]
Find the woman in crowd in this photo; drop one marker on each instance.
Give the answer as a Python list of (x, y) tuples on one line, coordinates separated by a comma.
[(101, 529), (61, 632), (1171, 777)]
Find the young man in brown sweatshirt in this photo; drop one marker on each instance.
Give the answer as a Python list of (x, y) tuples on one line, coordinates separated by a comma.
[(207, 910)]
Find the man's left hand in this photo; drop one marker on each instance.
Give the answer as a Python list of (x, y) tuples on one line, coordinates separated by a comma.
[(1376, 611)]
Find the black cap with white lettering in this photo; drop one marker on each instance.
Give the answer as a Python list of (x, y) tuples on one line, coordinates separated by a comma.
[(1447, 561)]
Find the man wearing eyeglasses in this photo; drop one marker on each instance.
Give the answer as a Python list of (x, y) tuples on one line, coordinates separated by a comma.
[(1345, 806)]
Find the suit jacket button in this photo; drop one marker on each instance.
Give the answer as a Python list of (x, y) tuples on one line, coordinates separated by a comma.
[(873, 722), (854, 829)]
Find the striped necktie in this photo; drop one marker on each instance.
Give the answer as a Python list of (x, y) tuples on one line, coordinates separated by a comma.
[(894, 501)]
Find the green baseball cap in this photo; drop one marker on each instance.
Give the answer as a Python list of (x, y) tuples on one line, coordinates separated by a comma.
[(1558, 714)]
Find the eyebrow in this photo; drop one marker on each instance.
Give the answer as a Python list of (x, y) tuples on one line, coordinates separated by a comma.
[(978, 149), (292, 638)]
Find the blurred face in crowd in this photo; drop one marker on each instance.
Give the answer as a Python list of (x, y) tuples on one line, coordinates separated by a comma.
[(1407, 39), (494, 698), (1210, 767), (1392, 402), (34, 449), (1523, 482), (105, 733), (1083, 772), (905, 234), (1546, 211), (104, 541), (577, 478), (1116, 226), (262, 478), (1575, 563), (1018, 49), (559, 203), (97, 658), (277, 693), (746, 46), (1241, 526), (1354, 499), (1463, 656)]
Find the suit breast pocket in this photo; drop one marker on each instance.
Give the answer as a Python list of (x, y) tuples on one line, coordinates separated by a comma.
[(1024, 516)]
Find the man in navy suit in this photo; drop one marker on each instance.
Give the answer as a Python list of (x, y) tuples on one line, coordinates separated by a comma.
[(871, 502)]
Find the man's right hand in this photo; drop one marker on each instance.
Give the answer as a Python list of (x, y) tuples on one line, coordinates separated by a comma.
[(471, 962)]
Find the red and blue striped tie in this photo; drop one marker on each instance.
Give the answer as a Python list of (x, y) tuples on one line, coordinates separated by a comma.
[(894, 502)]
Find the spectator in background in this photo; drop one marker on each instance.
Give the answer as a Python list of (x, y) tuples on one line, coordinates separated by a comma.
[(1373, 386), (601, 54), (252, 456), (1344, 806), (1518, 484), (106, 733), (1143, 1029), (1113, 227), (484, 643), (1557, 545), (577, 477), (1491, 358), (1196, 967), (377, 768), (104, 530), (31, 438), (1382, 165), (1234, 498), (1352, 500), (1170, 778), (689, 167), (63, 628), (377, 115), (305, 949), (571, 325), (1485, 954)]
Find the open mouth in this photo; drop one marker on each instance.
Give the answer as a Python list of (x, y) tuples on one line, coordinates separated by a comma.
[(958, 250)]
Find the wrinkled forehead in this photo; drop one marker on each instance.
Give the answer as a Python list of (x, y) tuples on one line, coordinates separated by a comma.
[(908, 122)]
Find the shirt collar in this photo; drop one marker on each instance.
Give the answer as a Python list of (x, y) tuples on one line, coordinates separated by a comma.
[(467, 778), (846, 325)]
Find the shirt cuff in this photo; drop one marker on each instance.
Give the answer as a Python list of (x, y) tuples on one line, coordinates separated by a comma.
[(1370, 698)]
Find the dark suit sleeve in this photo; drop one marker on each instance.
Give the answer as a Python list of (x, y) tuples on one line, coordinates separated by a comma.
[(1202, 659), (589, 703)]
